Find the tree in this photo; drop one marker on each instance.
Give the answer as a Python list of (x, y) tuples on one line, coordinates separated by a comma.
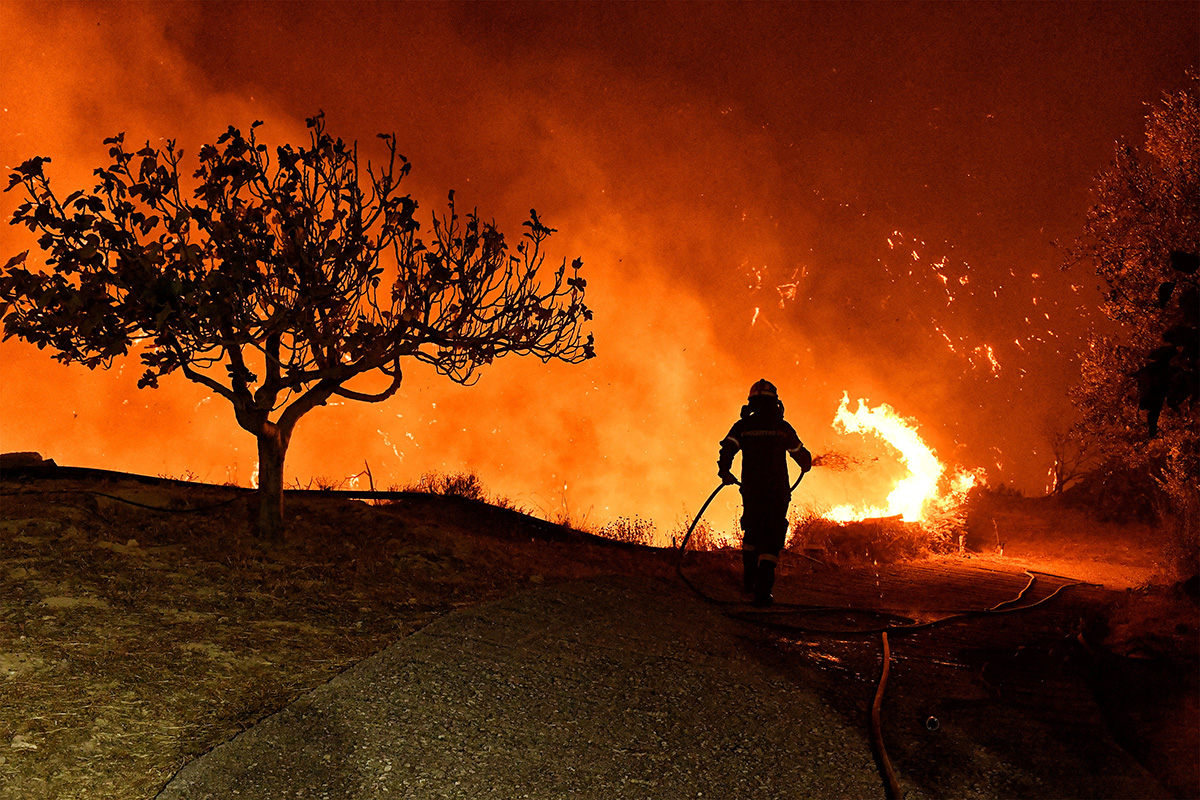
[(278, 281), (1074, 457), (1142, 237)]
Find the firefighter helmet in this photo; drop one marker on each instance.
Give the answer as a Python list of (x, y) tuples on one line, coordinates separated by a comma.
[(763, 387)]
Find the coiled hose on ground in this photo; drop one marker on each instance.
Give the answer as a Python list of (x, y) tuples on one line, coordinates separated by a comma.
[(762, 617)]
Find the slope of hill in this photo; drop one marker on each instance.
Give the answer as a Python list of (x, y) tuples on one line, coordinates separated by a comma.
[(140, 632), (134, 639)]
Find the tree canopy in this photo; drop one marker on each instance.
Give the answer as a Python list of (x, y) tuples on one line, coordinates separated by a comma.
[(1140, 388), (1142, 237), (275, 281)]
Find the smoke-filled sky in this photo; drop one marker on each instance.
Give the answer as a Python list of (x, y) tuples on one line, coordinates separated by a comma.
[(872, 198)]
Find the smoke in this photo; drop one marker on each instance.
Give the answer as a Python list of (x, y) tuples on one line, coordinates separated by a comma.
[(832, 199)]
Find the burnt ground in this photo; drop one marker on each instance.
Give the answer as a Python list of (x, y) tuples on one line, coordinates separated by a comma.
[(134, 640)]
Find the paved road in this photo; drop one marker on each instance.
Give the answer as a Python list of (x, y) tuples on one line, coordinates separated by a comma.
[(594, 689)]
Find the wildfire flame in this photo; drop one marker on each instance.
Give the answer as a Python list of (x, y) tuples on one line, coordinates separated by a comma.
[(916, 496)]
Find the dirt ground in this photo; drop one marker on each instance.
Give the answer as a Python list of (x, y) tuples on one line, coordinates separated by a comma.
[(133, 640)]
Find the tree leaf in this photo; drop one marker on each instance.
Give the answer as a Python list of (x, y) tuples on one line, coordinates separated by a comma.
[(19, 258)]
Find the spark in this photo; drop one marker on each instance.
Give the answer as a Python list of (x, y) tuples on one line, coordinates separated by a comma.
[(986, 351), (388, 442), (949, 341), (786, 292)]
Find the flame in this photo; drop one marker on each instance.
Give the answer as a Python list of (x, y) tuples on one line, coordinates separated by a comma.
[(635, 429), (915, 496)]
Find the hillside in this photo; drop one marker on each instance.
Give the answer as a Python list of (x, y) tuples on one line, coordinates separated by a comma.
[(136, 639)]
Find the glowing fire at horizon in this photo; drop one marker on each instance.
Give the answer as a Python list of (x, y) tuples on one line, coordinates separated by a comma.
[(915, 496)]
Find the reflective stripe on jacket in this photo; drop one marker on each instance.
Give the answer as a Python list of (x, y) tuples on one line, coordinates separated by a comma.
[(765, 442)]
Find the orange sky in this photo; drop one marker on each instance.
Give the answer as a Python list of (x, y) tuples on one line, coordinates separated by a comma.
[(838, 197)]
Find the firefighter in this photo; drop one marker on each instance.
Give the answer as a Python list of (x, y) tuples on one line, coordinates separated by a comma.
[(765, 440)]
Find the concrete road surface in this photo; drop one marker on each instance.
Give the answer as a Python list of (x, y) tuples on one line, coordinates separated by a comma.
[(596, 689)]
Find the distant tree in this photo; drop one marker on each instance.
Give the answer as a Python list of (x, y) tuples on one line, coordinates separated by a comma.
[(1074, 457), (278, 281), (1142, 238)]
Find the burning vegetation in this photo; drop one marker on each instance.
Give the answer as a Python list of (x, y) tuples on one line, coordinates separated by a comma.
[(925, 512), (926, 492)]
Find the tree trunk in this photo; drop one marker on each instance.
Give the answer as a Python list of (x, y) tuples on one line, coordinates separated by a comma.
[(271, 450), (1056, 474)]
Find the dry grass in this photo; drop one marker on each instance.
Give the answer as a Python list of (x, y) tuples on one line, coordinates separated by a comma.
[(870, 541), (706, 538), (133, 640), (631, 530), (459, 484), (1045, 528)]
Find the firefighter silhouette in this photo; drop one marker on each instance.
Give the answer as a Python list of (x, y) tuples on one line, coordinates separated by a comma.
[(765, 440)]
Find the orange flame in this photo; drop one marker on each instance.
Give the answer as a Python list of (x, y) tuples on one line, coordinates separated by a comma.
[(915, 496)]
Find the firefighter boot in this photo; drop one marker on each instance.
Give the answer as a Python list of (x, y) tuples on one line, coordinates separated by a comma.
[(764, 581), (749, 568)]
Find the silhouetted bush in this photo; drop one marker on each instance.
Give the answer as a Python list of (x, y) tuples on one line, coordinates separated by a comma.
[(705, 538), (981, 533), (633, 530), (459, 484), (1117, 493)]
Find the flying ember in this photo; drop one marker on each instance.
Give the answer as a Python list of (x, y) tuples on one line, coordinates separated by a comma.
[(915, 496)]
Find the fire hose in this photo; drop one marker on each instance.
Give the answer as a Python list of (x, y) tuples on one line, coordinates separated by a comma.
[(887, 771), (890, 784)]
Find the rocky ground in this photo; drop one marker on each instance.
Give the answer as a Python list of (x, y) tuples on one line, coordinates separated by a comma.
[(133, 639)]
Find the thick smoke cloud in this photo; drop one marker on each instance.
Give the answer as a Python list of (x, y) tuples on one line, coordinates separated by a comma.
[(839, 197)]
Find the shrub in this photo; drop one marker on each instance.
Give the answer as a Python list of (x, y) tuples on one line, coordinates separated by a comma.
[(459, 484), (1178, 506), (704, 537), (883, 540), (633, 530), (320, 482), (1117, 492)]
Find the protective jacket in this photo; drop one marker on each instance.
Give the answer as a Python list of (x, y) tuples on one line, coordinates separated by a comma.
[(765, 440)]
